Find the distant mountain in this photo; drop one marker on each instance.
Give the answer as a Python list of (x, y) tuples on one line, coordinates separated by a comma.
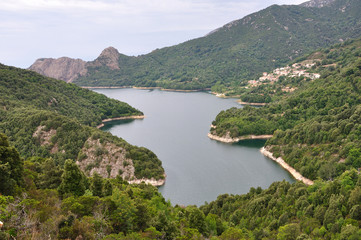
[(68, 69), (232, 54)]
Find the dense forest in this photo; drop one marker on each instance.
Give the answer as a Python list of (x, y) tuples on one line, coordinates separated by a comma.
[(40, 200), (45, 117), (316, 128)]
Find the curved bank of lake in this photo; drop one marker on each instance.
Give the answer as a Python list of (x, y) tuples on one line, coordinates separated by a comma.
[(198, 169)]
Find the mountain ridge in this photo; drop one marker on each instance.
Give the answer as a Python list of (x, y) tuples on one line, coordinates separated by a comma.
[(236, 52)]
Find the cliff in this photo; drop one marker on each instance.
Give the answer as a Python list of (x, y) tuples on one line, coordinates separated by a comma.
[(64, 68), (68, 69)]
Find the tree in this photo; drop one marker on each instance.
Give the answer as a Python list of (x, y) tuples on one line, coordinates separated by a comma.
[(355, 212), (108, 188), (97, 185), (51, 175), (196, 219), (73, 180), (288, 232), (232, 234), (11, 167)]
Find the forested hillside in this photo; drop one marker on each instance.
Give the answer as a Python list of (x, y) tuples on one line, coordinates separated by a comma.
[(234, 53), (49, 118), (39, 200), (317, 127)]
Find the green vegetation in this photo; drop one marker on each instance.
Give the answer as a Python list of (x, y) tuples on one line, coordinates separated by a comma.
[(45, 117), (11, 168), (20, 88), (111, 209), (316, 128), (237, 52)]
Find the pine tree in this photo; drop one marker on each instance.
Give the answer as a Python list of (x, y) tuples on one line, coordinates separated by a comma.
[(97, 185), (11, 167), (73, 180)]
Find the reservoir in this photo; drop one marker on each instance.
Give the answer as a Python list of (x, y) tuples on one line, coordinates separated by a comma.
[(198, 169)]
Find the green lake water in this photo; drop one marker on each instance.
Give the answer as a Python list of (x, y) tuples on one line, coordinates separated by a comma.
[(198, 169)]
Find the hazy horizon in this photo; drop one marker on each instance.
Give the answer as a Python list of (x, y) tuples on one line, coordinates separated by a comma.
[(32, 29)]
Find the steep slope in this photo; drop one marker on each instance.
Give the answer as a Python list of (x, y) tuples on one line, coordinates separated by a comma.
[(50, 118), (236, 52), (316, 128)]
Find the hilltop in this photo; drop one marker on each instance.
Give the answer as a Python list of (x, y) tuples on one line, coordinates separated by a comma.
[(45, 117)]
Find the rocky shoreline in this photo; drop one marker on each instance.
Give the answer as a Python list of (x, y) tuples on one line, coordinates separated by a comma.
[(120, 118), (153, 182), (228, 139), (251, 104), (285, 165), (266, 153)]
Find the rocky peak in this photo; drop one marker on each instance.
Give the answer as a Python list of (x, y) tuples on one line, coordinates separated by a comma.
[(64, 68), (68, 69), (317, 3), (109, 57)]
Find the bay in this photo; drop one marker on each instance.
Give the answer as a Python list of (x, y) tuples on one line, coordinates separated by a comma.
[(198, 169)]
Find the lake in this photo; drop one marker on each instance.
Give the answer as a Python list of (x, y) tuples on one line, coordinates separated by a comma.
[(198, 169)]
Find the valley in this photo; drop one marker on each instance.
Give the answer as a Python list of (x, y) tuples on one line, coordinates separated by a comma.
[(252, 131)]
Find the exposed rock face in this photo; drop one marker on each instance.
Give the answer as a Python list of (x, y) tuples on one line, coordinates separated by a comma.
[(66, 69), (317, 3), (44, 138), (107, 159), (109, 57)]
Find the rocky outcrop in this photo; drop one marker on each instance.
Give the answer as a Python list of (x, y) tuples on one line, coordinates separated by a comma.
[(109, 160), (317, 3), (109, 57), (66, 69), (105, 158), (44, 137)]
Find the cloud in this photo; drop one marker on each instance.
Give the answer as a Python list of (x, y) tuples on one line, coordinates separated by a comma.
[(30, 29)]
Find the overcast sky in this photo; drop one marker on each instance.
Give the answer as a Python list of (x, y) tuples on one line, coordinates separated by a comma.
[(31, 29)]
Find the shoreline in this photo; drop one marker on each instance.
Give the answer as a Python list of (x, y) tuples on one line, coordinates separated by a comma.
[(152, 181), (285, 165), (222, 95), (266, 153), (120, 118), (251, 104), (148, 88), (105, 87), (228, 139)]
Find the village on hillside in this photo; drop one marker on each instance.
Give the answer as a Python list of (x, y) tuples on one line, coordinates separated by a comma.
[(301, 69)]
